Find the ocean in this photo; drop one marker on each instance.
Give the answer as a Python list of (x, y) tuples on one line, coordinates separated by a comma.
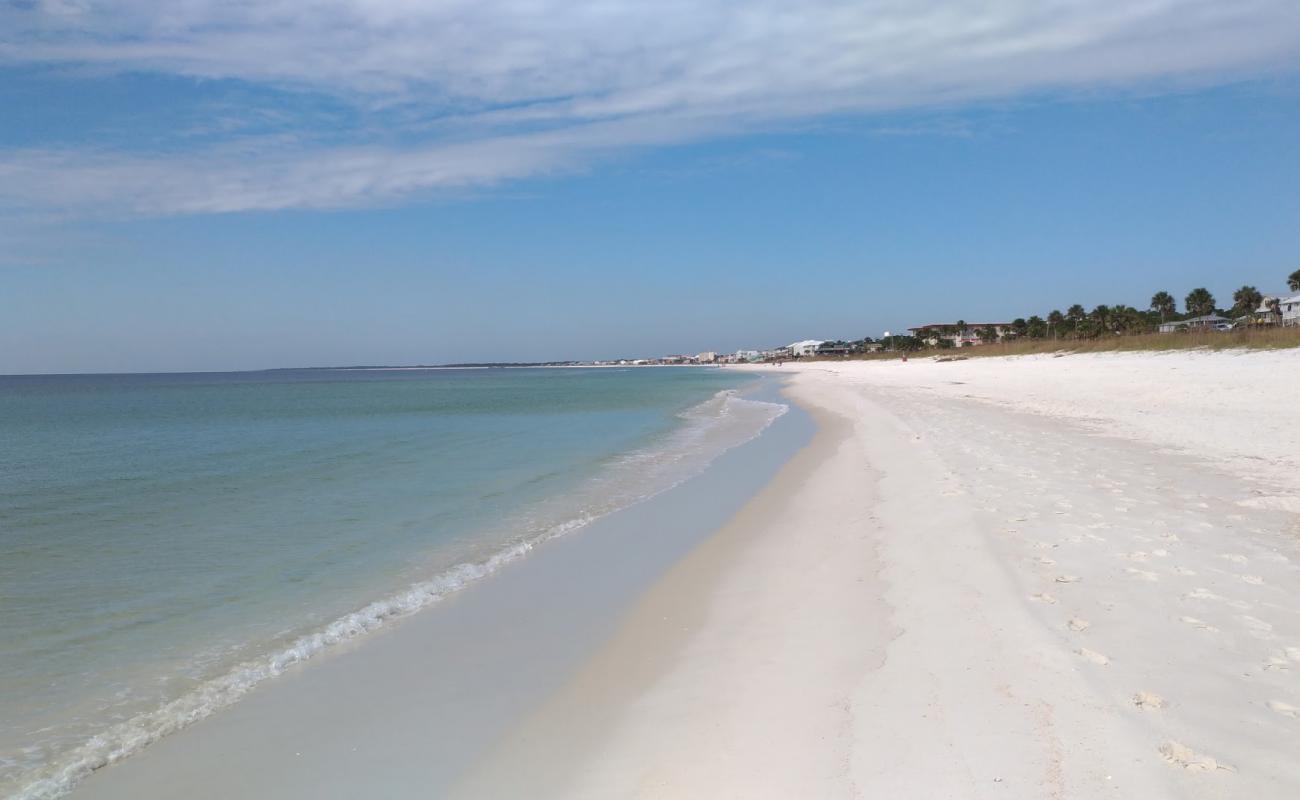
[(167, 542)]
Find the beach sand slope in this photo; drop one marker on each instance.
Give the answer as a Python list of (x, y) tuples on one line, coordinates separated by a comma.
[(962, 589)]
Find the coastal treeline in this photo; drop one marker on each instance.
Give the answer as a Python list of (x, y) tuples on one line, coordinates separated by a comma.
[(1248, 307)]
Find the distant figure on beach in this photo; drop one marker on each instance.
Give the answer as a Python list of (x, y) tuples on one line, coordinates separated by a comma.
[(904, 358)]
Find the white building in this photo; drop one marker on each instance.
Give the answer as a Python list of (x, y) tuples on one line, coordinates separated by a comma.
[(1195, 323), (707, 357), (748, 355), (807, 347), (1290, 308)]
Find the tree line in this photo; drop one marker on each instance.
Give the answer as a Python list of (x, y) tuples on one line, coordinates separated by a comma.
[(1080, 323)]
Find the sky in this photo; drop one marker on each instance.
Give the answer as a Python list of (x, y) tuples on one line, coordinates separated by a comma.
[(200, 185)]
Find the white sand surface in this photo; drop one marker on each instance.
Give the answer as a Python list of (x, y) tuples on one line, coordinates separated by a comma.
[(1030, 577)]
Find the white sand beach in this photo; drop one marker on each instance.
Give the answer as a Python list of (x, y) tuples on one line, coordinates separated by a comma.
[(1023, 578), (1028, 577)]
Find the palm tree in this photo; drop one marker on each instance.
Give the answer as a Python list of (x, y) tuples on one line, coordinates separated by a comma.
[(1054, 320), (1199, 302), (1126, 319), (1274, 311), (1246, 300), (1075, 314), (1036, 327), (1293, 282), (1163, 304)]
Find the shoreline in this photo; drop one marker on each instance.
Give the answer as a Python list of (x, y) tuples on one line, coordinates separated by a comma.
[(973, 579), (1022, 599), (422, 695), (549, 754)]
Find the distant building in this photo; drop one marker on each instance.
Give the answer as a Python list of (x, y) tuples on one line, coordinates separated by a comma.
[(807, 347), (706, 357), (743, 356), (834, 349), (968, 336), (1290, 308), (1207, 321)]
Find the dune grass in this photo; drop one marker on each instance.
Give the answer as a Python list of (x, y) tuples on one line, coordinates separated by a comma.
[(1257, 339)]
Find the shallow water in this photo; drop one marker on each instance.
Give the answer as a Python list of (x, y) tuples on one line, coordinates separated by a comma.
[(170, 541)]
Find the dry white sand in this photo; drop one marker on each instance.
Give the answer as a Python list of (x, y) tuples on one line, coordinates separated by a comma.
[(1031, 577)]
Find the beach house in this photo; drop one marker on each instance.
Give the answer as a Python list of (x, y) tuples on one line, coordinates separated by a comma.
[(958, 335), (1286, 312), (1289, 307), (807, 347), (1207, 321)]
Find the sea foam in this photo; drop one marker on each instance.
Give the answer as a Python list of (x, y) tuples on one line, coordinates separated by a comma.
[(709, 429)]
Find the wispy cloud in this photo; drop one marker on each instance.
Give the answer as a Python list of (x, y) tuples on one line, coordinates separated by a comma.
[(463, 93)]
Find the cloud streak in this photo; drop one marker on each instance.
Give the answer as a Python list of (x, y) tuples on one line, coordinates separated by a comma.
[(455, 94)]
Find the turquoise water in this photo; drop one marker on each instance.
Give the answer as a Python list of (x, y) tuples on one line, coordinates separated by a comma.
[(169, 541)]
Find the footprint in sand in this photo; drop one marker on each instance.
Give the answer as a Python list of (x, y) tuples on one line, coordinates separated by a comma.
[(1180, 755), (1067, 578), (1148, 701), (1170, 537), (1044, 597), (1253, 580), (1137, 556), (1046, 562), (1257, 627), (1285, 709), (1201, 593), (1145, 575), (1184, 571), (1077, 624), (1160, 553), (1198, 624), (1234, 558), (1093, 656)]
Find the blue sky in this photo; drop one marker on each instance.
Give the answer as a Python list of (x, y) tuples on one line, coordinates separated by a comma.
[(371, 181)]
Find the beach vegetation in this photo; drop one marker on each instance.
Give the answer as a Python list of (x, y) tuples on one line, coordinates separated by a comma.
[(1258, 324), (1162, 303), (1199, 302), (1293, 282), (1246, 299), (1243, 337)]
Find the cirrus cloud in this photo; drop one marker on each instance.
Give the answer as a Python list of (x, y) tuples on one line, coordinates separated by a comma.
[(454, 94)]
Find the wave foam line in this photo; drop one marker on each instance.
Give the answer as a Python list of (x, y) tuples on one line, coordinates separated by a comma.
[(127, 738)]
